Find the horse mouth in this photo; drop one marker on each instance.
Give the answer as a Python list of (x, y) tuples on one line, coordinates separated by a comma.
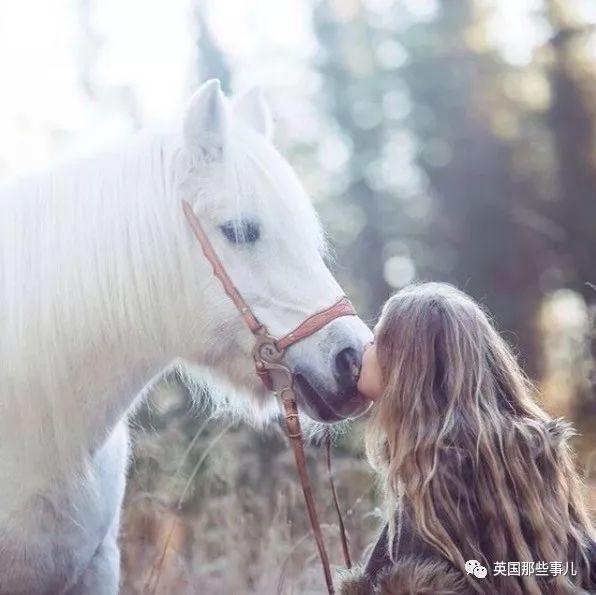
[(317, 407)]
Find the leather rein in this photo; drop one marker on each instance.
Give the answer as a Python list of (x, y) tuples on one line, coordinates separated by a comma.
[(268, 354)]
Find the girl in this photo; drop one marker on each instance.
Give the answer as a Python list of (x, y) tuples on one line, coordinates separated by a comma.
[(477, 475)]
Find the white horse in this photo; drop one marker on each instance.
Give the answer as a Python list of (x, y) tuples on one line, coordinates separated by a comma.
[(103, 288)]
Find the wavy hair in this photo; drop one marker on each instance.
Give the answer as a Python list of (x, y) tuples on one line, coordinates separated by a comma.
[(466, 449)]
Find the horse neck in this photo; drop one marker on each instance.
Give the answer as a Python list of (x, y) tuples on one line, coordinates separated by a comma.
[(109, 296)]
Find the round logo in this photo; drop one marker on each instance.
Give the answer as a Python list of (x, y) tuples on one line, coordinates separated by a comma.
[(474, 567)]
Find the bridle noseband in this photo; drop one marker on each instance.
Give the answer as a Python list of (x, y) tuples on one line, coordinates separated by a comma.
[(268, 354)]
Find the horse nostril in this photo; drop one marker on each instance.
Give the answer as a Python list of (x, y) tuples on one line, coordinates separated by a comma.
[(347, 367)]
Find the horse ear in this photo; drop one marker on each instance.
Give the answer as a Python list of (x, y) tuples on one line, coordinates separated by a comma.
[(253, 109), (205, 121)]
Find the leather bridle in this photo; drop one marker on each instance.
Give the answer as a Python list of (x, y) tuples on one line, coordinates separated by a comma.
[(268, 354)]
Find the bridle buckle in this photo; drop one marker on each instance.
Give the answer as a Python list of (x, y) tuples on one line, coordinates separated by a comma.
[(268, 359)]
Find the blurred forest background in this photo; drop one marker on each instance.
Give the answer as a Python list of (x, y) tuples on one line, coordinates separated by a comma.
[(450, 141)]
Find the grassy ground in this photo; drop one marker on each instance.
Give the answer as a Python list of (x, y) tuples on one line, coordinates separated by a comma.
[(223, 512)]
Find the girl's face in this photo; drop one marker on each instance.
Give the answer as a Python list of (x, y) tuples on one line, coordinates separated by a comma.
[(370, 383)]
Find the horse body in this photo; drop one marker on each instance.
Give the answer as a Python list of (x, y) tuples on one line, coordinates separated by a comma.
[(65, 391), (102, 288)]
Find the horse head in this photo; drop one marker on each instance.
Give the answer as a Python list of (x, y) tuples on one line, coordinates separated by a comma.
[(264, 228)]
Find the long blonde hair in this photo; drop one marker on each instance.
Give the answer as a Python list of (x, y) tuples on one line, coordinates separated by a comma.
[(462, 444)]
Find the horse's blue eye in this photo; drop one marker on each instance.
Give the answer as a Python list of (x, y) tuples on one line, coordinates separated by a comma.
[(241, 232)]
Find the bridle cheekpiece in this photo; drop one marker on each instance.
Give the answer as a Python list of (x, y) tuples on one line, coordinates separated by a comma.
[(268, 354)]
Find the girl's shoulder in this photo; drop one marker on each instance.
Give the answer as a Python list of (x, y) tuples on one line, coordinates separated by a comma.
[(410, 574), (412, 567)]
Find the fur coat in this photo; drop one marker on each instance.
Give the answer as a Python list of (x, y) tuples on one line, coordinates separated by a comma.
[(409, 576), (416, 571)]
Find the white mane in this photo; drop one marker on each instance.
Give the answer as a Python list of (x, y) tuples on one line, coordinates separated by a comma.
[(73, 245)]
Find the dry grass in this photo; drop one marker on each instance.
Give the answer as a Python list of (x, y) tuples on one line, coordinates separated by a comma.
[(241, 525)]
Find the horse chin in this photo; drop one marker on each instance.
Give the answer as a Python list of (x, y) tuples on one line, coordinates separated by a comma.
[(317, 404)]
